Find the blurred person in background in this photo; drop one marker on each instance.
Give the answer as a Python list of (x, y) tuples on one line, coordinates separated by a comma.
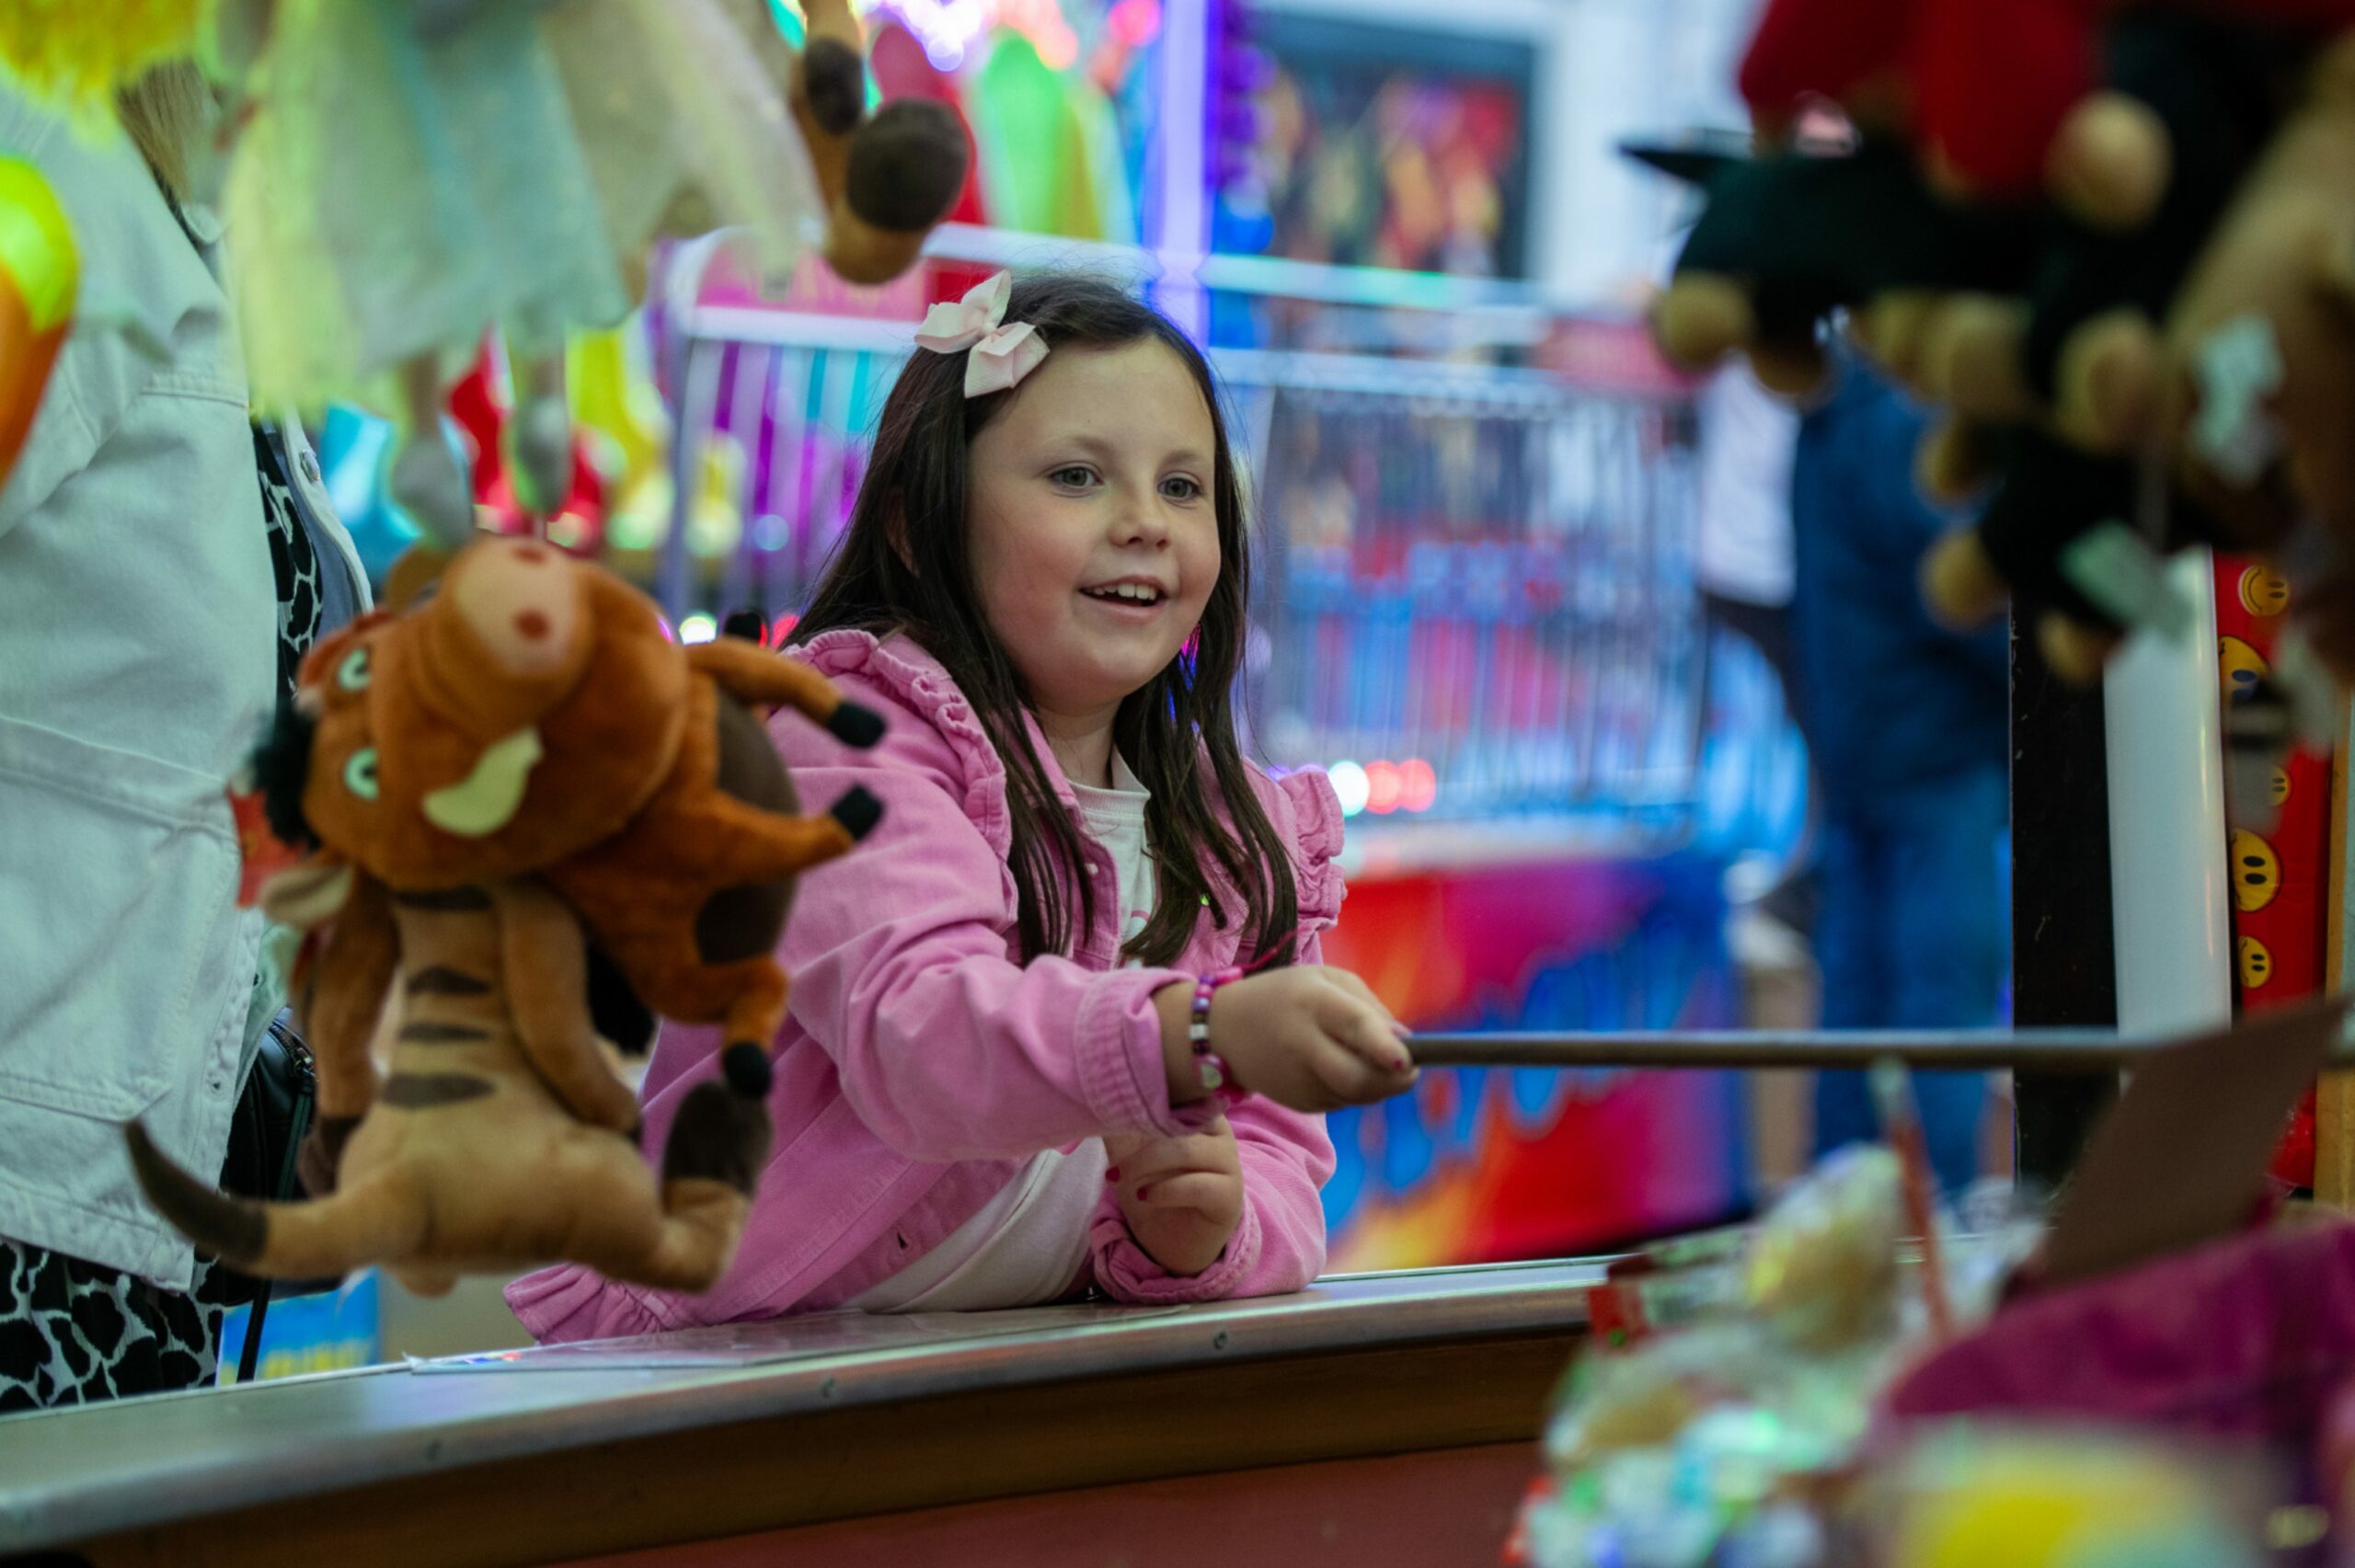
[(1909, 725), (165, 560)]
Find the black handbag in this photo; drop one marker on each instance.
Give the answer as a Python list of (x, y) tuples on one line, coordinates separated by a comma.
[(266, 1135)]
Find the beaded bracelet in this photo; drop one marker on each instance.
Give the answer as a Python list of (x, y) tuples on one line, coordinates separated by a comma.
[(1216, 1078)]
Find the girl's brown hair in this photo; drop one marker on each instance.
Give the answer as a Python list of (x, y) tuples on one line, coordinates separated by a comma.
[(904, 565)]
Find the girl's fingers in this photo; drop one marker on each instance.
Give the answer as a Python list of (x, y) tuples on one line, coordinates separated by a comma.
[(1339, 1018), (1171, 1156), (1350, 1079), (1370, 1036), (1364, 992), (1196, 1189)]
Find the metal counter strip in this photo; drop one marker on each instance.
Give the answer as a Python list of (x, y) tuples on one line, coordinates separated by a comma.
[(67, 1475)]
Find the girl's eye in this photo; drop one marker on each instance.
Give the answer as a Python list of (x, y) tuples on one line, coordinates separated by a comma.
[(1075, 478), (359, 773), (1181, 488)]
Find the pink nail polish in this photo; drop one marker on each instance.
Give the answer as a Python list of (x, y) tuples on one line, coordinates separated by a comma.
[(1112, 1172)]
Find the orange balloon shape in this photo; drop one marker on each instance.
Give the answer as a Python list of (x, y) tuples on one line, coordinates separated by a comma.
[(39, 274)]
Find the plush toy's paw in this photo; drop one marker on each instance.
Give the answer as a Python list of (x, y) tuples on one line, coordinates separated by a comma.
[(2109, 166), (2109, 381), (1956, 461), (428, 483), (748, 1070), (907, 165), (1960, 582), (854, 725), (833, 83), (1700, 318), (2072, 649), (905, 169), (858, 811), (1796, 371), (1972, 358), (1892, 327), (718, 1136)]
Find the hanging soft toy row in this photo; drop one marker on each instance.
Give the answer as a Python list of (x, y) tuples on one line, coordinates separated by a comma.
[(2110, 236), (462, 799), (411, 174), (41, 272), (74, 53)]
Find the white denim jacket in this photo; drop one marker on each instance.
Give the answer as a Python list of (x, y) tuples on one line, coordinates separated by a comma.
[(138, 661)]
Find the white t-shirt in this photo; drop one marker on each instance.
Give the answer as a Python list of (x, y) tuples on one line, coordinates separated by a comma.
[(1024, 1246), (1748, 437)]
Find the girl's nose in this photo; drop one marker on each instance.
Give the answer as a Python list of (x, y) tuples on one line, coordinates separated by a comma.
[(1138, 518)]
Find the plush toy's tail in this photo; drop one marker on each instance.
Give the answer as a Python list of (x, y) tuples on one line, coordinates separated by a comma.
[(369, 1222)]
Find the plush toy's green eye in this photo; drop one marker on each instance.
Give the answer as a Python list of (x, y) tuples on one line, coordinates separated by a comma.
[(359, 773), (352, 673)]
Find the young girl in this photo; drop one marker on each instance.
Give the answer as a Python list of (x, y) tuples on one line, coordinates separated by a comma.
[(988, 1094)]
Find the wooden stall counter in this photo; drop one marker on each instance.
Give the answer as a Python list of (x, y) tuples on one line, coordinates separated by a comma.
[(1380, 1419)]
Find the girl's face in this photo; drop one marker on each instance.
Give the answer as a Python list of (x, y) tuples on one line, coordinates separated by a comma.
[(1094, 536)]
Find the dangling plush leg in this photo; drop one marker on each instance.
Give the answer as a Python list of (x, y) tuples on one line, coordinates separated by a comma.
[(764, 846), (427, 479), (1973, 356), (755, 675), (544, 958), (1955, 462), (543, 434), (710, 1164), (2109, 380)]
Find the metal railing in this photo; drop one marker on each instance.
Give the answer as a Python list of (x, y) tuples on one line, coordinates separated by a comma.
[(2073, 1051)]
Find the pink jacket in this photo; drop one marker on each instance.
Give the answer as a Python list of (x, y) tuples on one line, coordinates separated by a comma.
[(922, 1065)]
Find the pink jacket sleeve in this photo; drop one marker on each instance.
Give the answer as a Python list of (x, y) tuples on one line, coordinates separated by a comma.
[(1279, 1244), (946, 1048)]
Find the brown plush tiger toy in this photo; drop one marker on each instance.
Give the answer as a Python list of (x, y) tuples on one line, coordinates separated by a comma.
[(523, 755)]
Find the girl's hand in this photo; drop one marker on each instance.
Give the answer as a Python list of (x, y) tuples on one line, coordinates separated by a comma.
[(1310, 1038), (1182, 1197)]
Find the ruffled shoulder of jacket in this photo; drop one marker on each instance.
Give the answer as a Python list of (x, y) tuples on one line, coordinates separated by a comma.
[(914, 688), (1307, 816)]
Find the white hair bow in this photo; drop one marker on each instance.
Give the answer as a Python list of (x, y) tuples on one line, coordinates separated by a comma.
[(1001, 355)]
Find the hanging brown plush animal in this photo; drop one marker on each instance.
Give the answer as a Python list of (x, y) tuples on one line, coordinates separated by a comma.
[(886, 178), (503, 1134), (532, 723)]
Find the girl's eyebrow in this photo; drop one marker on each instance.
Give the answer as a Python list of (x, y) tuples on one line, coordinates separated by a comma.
[(1102, 451)]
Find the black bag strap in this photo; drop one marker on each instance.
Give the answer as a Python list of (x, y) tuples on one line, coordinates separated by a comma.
[(298, 1127)]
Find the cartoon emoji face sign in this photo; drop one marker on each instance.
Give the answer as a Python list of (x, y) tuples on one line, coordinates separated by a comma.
[(2280, 787), (2256, 872), (2264, 592), (2239, 667), (2255, 962)]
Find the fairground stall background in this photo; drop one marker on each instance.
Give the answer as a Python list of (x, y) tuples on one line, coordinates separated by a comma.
[(1416, 254)]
